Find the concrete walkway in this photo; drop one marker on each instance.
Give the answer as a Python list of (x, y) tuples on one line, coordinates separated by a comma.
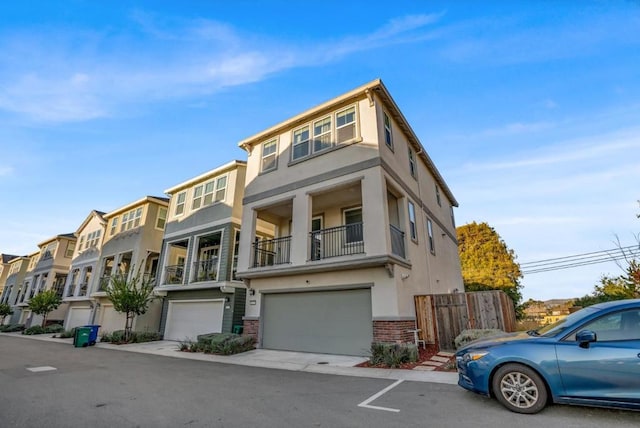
[(265, 358)]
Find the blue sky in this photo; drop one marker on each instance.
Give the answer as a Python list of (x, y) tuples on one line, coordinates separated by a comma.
[(529, 109)]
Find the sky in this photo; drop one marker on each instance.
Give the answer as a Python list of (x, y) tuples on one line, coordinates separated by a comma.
[(529, 109)]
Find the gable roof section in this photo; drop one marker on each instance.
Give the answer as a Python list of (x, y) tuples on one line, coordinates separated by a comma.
[(202, 177), (6, 258), (92, 214), (147, 199), (375, 87)]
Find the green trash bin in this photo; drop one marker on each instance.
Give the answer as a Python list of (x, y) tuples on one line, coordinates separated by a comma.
[(81, 337), (237, 329)]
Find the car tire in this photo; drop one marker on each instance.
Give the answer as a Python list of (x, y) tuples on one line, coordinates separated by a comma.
[(519, 388)]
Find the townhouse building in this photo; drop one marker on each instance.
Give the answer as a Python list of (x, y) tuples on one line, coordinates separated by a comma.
[(197, 276), (16, 271), (345, 219), (5, 259)]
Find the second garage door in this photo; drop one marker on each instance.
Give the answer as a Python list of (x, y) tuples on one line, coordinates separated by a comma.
[(329, 322), (111, 320), (187, 319)]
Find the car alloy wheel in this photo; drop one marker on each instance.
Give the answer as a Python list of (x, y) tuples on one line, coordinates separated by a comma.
[(520, 389)]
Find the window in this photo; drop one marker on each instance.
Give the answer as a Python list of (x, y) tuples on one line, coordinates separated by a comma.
[(412, 163), (412, 221), (49, 251), (236, 248), (623, 325), (438, 195), (131, 219), (453, 219), (432, 243), (93, 238), (353, 225), (346, 125), (221, 189), (80, 245), (114, 225), (162, 218), (388, 136), (269, 156), (197, 197), (180, 203), (215, 190), (71, 246), (322, 134), (301, 143)]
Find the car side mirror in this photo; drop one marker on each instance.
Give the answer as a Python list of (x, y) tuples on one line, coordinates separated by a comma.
[(585, 337)]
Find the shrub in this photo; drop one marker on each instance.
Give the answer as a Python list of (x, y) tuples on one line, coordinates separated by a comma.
[(468, 336), (53, 328), (118, 337), (66, 334), (236, 345), (393, 354), (219, 343), (11, 328), (36, 329)]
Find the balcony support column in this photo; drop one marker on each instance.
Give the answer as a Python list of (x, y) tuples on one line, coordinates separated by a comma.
[(301, 225), (375, 216)]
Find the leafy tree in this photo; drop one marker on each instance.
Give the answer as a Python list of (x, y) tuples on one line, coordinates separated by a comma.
[(5, 310), (130, 296), (626, 286), (43, 303), (487, 263)]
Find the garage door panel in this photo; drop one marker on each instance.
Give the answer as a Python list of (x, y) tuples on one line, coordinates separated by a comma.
[(333, 322), (111, 320), (78, 317), (186, 320)]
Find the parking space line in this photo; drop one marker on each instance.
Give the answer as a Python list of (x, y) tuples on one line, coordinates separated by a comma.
[(366, 402)]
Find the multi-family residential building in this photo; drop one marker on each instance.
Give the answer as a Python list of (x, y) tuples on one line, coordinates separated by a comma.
[(25, 288), (85, 262), (48, 270), (131, 245), (16, 271), (345, 219), (199, 255), (4, 271)]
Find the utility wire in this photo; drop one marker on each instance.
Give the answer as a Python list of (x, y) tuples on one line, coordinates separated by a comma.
[(579, 260)]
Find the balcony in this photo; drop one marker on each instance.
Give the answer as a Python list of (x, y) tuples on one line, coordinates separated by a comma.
[(174, 274), (337, 241), (83, 289), (271, 252), (104, 283), (397, 241), (71, 290), (205, 270)]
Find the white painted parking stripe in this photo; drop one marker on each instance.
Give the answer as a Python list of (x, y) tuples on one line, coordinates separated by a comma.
[(366, 402), (41, 369)]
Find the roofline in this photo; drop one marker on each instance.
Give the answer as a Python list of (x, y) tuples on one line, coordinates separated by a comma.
[(53, 238), (135, 203), (216, 171), (100, 216), (375, 86)]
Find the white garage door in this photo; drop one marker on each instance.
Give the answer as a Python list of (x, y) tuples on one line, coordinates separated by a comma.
[(111, 320), (328, 322), (78, 317), (187, 319)]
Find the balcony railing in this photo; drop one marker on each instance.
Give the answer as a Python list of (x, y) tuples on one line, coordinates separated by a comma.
[(337, 241), (104, 283), (174, 274), (270, 252), (83, 289), (397, 241), (205, 270)]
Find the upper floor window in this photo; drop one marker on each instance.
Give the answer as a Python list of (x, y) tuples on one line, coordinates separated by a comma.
[(346, 125), (220, 190), (49, 251), (94, 238), (269, 155), (412, 163), (182, 196), (162, 218), (81, 243), (412, 222), (131, 219), (353, 225), (71, 246), (210, 192), (388, 135), (453, 219), (114, 226), (301, 143), (438, 195), (432, 243), (322, 134)]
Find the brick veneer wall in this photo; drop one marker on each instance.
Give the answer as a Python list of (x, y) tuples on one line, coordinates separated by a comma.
[(251, 328), (393, 331)]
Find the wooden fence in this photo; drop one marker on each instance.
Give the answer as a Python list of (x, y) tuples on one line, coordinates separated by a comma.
[(442, 317)]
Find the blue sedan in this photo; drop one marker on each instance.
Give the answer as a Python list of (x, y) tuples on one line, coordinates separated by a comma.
[(592, 357)]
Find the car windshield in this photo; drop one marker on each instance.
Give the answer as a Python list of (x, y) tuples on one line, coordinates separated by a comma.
[(558, 327)]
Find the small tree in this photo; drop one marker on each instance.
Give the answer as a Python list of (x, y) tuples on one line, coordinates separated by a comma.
[(43, 303), (5, 310), (130, 296)]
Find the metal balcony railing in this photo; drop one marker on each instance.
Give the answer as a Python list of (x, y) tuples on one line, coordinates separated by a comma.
[(337, 241), (174, 274), (205, 270), (270, 252), (397, 241)]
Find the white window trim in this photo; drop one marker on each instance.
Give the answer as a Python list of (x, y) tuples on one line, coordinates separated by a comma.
[(274, 154), (344, 222), (307, 141), (178, 204), (355, 123), (388, 129), (193, 252), (431, 242), (412, 164), (413, 225), (166, 215)]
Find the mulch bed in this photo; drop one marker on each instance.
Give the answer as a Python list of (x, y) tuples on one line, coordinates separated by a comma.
[(424, 355)]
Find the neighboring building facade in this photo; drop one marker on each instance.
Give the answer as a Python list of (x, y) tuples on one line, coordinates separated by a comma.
[(131, 244), (49, 271), (345, 219), (83, 267), (25, 289), (199, 255), (4, 270), (17, 269)]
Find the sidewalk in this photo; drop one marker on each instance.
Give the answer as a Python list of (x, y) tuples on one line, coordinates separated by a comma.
[(282, 360)]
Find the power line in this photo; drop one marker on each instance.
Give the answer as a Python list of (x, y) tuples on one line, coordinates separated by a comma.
[(617, 249), (580, 260)]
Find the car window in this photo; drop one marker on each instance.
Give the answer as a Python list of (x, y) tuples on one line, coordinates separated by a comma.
[(622, 325), (559, 326)]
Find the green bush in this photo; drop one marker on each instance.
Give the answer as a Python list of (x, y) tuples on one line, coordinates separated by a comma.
[(53, 328), (118, 337), (66, 334), (10, 328), (219, 343), (393, 354), (468, 336), (236, 345), (36, 329)]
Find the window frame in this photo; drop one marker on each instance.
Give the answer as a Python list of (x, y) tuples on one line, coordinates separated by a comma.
[(438, 198), (412, 163), (159, 217), (300, 131), (180, 205), (388, 130), (354, 122), (413, 225), (344, 222), (431, 240), (274, 154)]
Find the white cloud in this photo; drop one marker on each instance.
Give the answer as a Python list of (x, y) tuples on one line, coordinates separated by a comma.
[(75, 76), (5, 171)]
